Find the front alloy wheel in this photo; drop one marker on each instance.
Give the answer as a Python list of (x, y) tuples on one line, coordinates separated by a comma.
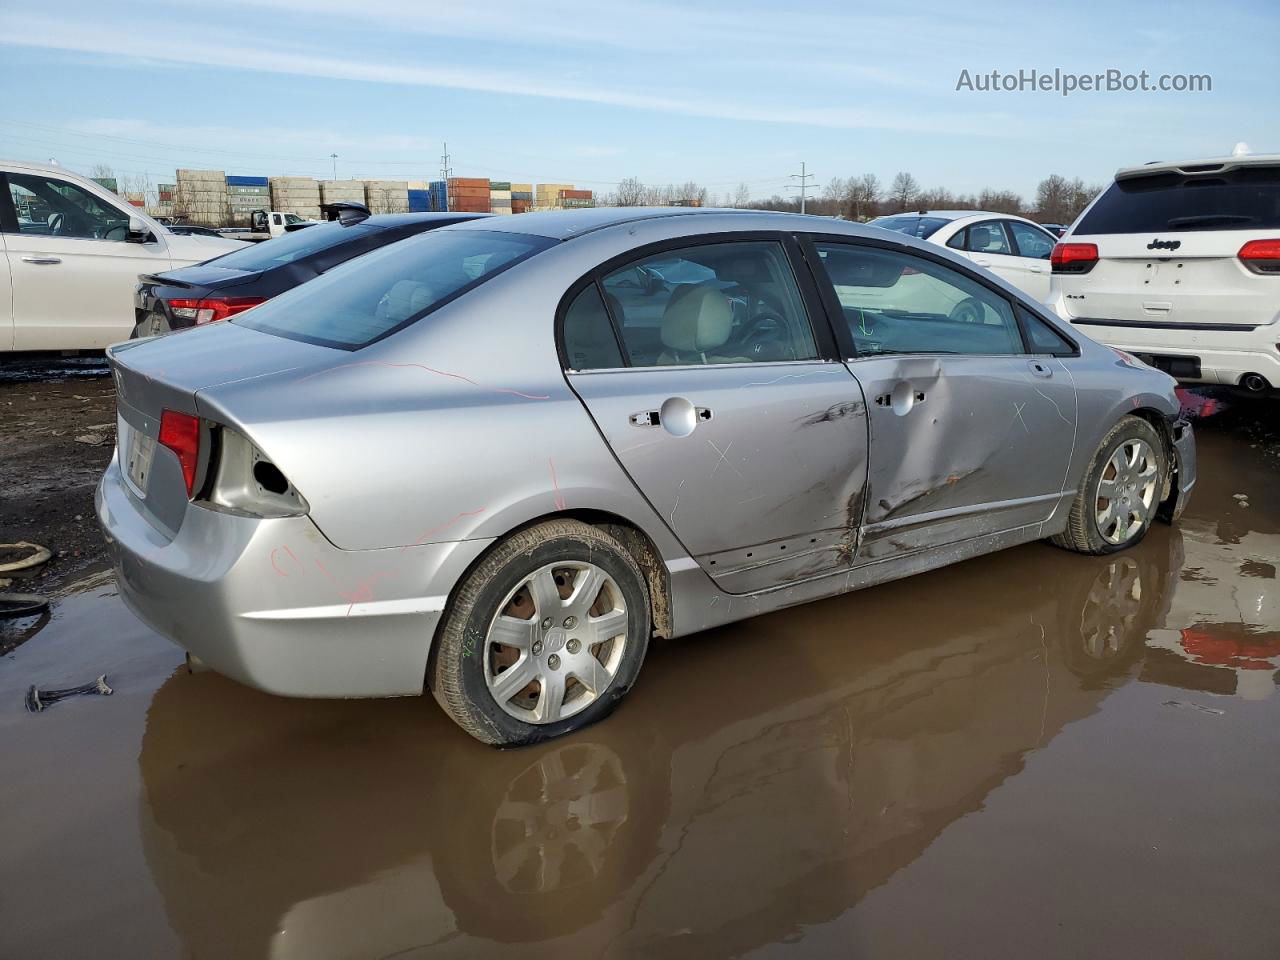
[(1125, 498)]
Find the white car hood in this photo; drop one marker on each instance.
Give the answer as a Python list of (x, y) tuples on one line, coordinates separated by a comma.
[(187, 249)]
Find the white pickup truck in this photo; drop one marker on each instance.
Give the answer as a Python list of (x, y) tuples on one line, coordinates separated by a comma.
[(267, 224), (73, 252)]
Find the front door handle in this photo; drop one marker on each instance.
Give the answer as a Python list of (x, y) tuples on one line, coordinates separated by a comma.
[(44, 260), (1040, 369)]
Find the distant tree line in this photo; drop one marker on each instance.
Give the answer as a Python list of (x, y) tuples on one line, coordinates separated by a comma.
[(1057, 199)]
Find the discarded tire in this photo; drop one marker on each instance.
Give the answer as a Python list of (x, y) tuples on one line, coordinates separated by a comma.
[(38, 556), (21, 604)]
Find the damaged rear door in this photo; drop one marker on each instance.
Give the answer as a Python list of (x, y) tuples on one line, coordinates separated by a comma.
[(725, 405), (971, 432)]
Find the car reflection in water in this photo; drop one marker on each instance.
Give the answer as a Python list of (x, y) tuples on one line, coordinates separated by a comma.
[(842, 739)]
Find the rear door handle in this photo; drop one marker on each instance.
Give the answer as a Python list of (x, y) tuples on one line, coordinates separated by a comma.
[(44, 260), (1040, 369)]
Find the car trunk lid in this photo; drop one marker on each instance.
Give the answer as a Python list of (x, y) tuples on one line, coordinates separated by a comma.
[(166, 374)]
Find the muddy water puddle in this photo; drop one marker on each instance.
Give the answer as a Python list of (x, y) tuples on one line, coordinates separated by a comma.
[(1031, 753)]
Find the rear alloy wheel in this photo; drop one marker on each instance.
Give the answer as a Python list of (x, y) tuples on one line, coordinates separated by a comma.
[(1120, 495), (544, 636)]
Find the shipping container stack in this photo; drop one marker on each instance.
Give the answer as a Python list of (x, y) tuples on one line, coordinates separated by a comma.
[(166, 193), (201, 197), (386, 196), (572, 199), (297, 195), (108, 182), (342, 191), (469, 194), (521, 197), (547, 195), (244, 196), (439, 195), (419, 196), (499, 196)]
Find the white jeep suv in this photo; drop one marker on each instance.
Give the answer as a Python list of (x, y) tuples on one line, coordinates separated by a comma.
[(1179, 264), (70, 255)]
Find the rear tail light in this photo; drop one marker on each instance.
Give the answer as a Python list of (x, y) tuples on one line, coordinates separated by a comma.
[(1073, 257), (180, 432), (1261, 256), (209, 309)]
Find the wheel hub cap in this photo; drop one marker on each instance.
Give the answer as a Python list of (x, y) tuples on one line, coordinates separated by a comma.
[(1125, 498)]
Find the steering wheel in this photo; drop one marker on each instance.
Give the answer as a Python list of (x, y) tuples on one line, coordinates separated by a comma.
[(764, 330), (968, 310), (55, 222)]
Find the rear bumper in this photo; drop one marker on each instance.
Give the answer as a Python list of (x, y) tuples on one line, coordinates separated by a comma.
[(1224, 356), (273, 604)]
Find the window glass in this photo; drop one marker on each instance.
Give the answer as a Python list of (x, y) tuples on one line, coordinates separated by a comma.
[(52, 207), (375, 295), (987, 237), (957, 240), (589, 343), (289, 247), (1244, 199), (912, 226), (1031, 241), (1042, 338), (898, 303), (716, 303)]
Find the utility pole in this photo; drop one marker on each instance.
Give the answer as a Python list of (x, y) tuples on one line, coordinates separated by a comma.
[(334, 158), (804, 178), (444, 174)]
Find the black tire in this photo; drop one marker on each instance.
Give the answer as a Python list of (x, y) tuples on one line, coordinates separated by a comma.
[(1082, 534), (456, 672)]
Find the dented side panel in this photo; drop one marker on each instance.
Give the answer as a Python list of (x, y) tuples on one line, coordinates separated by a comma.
[(961, 447), (766, 487)]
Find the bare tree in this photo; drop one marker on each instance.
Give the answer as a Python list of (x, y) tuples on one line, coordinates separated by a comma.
[(937, 198), (742, 196), (904, 192), (690, 194), (1053, 199), (1000, 201), (631, 193)]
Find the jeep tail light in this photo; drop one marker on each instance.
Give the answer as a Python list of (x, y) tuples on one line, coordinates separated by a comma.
[(180, 432), (209, 309), (1073, 257), (1261, 256)]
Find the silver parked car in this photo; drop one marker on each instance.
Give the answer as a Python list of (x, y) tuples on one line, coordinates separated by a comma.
[(496, 459)]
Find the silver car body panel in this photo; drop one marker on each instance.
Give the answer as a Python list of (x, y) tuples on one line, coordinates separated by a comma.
[(417, 452)]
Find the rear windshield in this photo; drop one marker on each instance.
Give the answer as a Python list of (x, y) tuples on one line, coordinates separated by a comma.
[(1244, 199), (289, 247), (922, 227), (375, 295)]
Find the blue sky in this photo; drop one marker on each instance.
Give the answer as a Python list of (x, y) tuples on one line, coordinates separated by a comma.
[(591, 92)]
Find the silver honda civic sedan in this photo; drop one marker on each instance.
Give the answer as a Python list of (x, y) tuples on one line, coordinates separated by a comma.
[(495, 460)]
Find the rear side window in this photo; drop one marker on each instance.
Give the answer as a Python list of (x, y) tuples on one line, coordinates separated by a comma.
[(589, 343), (289, 247), (369, 298), (922, 227), (1244, 199), (1042, 338)]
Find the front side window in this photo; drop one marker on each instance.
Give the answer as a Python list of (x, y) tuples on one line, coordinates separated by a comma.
[(373, 296), (897, 303), (711, 304), (51, 207), (1032, 241), (987, 237)]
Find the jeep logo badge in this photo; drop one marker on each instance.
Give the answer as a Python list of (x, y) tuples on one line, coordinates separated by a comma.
[(1164, 244)]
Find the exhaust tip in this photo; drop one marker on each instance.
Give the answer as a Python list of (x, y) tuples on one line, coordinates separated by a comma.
[(1255, 383)]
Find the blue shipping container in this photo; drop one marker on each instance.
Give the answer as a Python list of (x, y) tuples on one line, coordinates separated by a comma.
[(246, 181)]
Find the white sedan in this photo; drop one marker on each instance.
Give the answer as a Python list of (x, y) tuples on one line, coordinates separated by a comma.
[(74, 251), (1014, 249)]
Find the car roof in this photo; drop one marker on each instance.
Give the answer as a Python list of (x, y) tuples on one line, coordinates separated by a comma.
[(1207, 165), (406, 219), (563, 224), (950, 214)]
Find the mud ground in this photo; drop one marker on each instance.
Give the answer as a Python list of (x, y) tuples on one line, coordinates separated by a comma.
[(1027, 754)]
